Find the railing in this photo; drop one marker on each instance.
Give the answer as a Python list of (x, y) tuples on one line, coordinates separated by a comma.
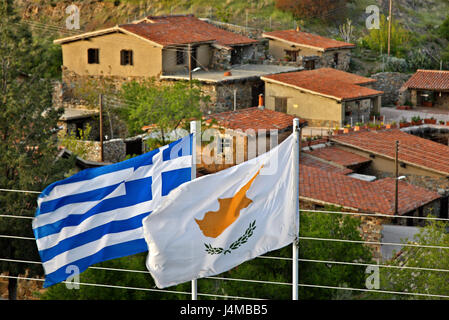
[(225, 277)]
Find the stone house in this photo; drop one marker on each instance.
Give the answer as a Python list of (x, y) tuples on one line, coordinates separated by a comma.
[(323, 184), (243, 134), (154, 46), (423, 162), (309, 50), (324, 97), (160, 47), (428, 88)]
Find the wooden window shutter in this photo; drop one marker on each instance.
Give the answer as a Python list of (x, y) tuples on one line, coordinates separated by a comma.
[(122, 57)]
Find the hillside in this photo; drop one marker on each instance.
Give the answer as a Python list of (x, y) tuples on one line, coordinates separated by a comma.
[(421, 18), (418, 16)]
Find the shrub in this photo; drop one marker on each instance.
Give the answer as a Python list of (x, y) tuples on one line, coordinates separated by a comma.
[(322, 9), (394, 64)]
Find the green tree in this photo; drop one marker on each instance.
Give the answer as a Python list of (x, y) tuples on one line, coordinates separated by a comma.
[(28, 143), (377, 39), (444, 29), (167, 107), (139, 278), (421, 281), (316, 225)]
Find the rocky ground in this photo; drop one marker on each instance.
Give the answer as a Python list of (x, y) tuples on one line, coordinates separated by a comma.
[(27, 290)]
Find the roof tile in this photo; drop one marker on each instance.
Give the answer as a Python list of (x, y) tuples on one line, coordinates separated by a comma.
[(253, 118), (429, 80), (414, 150), (308, 39), (328, 82), (370, 197), (183, 29)]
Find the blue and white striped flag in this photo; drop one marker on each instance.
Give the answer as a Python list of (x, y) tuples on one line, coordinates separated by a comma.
[(96, 215)]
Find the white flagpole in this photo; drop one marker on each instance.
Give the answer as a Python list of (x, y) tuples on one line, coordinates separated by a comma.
[(193, 131), (295, 253)]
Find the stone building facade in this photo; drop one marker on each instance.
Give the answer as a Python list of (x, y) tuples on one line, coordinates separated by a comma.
[(390, 83), (308, 50)]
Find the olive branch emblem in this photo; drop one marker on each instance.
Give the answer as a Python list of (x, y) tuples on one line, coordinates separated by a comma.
[(235, 245)]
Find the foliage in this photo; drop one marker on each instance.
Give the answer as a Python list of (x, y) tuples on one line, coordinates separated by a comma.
[(445, 57), (346, 31), (76, 143), (52, 53), (331, 226), (167, 107), (138, 279), (322, 9), (317, 225), (421, 281), (28, 143), (394, 64), (444, 29), (88, 90), (418, 59), (377, 39)]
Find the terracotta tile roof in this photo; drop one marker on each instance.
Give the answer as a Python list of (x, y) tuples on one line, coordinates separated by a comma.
[(307, 39), (327, 82), (413, 150), (183, 29), (370, 197), (166, 34), (309, 161), (252, 118), (171, 30), (429, 80), (338, 156)]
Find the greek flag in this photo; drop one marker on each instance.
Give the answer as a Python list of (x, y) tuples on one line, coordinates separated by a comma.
[(96, 214)]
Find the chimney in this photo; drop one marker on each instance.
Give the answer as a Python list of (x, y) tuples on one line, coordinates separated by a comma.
[(261, 105), (298, 28)]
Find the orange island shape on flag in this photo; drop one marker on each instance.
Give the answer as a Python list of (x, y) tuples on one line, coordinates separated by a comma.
[(215, 222)]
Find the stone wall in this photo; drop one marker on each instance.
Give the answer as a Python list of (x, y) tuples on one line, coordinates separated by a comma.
[(222, 95), (249, 32), (113, 150), (344, 59), (221, 59), (390, 83)]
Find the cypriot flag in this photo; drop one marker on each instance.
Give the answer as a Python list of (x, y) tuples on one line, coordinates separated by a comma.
[(216, 222)]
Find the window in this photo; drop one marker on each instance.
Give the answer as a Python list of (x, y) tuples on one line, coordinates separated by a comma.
[(280, 104), (180, 57), (336, 59), (292, 54), (223, 144), (93, 56), (126, 57), (309, 65)]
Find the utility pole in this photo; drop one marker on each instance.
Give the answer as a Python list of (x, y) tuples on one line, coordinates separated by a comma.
[(101, 128), (189, 53), (396, 178), (389, 27)]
